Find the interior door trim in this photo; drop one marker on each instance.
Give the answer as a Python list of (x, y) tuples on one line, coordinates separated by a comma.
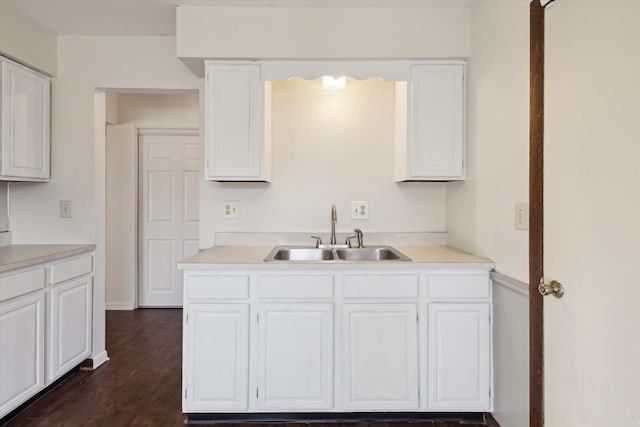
[(536, 212)]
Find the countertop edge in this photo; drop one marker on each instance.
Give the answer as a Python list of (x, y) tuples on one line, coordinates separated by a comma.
[(52, 253), (251, 258)]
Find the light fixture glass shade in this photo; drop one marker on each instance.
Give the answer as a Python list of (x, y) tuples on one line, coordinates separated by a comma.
[(334, 83)]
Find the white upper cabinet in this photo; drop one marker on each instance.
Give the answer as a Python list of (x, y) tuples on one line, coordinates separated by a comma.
[(236, 144), (24, 123), (431, 148)]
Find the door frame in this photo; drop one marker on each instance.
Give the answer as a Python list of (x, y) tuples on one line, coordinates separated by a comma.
[(536, 210), (141, 131)]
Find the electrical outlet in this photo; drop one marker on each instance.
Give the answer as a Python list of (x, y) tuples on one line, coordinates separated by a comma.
[(521, 216), (359, 209), (65, 208), (231, 209)]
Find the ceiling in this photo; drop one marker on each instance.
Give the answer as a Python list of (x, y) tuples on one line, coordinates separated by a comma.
[(158, 17)]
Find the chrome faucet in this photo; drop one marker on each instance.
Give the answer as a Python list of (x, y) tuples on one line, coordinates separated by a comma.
[(334, 220)]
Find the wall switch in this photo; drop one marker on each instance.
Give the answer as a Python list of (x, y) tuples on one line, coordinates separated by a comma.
[(359, 209), (65, 208), (231, 209), (522, 216)]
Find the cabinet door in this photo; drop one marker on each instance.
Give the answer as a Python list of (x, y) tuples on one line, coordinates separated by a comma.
[(436, 141), (295, 356), (22, 350), (459, 357), (216, 357), (380, 356), (69, 326), (233, 123), (25, 124)]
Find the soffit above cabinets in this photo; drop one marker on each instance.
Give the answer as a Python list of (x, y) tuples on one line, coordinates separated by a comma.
[(330, 34), (158, 17)]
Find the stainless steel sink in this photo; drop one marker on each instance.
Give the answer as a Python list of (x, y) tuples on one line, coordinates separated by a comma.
[(280, 253), (373, 253), (382, 253)]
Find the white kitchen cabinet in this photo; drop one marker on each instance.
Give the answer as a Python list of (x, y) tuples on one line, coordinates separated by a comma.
[(432, 148), (380, 344), (25, 123), (459, 356), (330, 339), (295, 356), (237, 147), (38, 346), (216, 357), (69, 326), (22, 355)]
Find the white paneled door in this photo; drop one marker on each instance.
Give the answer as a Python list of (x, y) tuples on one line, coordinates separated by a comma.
[(591, 211), (169, 177)]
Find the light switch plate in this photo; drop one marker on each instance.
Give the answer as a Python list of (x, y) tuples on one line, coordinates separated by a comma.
[(521, 219), (65, 208), (359, 209), (231, 209)]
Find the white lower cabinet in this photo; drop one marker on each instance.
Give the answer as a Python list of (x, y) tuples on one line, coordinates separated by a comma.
[(22, 354), (337, 341), (216, 357), (459, 356), (69, 323), (38, 346), (295, 356), (380, 356)]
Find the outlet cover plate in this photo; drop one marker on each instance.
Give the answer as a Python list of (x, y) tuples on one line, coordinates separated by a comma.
[(231, 209), (359, 209)]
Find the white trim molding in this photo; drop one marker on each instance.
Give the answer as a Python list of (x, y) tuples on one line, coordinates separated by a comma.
[(509, 282), (120, 306), (168, 131)]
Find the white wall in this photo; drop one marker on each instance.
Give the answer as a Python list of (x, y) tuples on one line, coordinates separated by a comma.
[(480, 210), (134, 111), (510, 351), (26, 41), (327, 147), (87, 64), (322, 33)]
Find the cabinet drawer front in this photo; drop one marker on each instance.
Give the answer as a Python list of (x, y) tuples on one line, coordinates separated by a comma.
[(458, 286), (221, 287), (69, 269), (381, 286), (297, 286), (21, 283)]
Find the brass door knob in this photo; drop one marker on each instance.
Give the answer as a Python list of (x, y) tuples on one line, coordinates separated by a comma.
[(554, 288)]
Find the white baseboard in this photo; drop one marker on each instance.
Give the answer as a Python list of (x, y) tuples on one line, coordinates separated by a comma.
[(119, 306), (99, 359)]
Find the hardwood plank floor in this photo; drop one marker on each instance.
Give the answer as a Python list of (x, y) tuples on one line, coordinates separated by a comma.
[(139, 386)]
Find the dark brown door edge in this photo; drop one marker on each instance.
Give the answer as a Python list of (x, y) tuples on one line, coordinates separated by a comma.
[(536, 213)]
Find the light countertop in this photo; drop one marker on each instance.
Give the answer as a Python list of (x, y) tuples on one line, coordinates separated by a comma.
[(13, 257), (252, 258)]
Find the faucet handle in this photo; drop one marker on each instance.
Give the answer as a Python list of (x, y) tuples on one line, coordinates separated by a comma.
[(360, 237), (318, 240), (348, 241)]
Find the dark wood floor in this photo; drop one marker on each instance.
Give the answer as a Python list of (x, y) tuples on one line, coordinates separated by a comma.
[(139, 386)]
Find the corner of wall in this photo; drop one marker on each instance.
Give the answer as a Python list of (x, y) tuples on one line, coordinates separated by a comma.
[(25, 41)]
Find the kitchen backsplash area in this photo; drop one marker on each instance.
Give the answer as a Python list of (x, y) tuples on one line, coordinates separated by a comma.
[(328, 147)]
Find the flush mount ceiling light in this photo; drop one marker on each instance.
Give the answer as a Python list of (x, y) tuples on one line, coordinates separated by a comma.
[(334, 83)]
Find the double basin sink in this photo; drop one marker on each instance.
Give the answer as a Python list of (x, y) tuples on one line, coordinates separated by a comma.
[(305, 253)]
